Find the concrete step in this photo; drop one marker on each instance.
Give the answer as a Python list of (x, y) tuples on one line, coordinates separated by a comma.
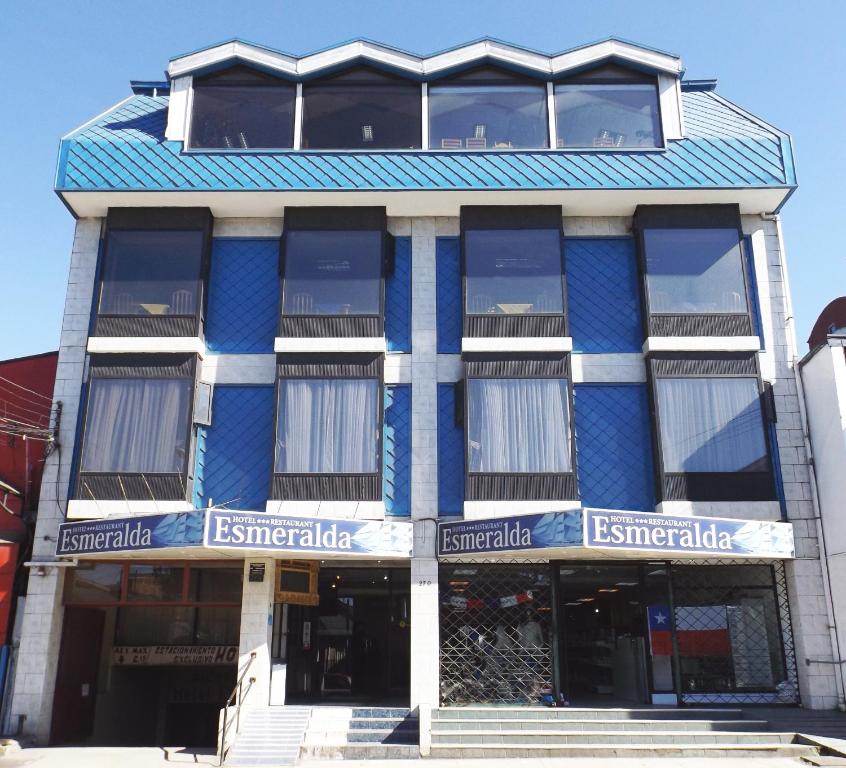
[(444, 726), (380, 712), (393, 722), (542, 738), (361, 752), (640, 751), (382, 736), (826, 761), (585, 713)]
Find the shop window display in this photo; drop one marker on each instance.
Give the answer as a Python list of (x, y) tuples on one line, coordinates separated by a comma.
[(496, 634)]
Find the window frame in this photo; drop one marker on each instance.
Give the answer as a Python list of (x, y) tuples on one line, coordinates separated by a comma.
[(480, 76), (259, 76), (130, 366), (710, 486), (697, 217), (612, 74), (123, 600), (154, 220), (330, 486), (326, 219), (514, 486), (537, 217), (356, 76)]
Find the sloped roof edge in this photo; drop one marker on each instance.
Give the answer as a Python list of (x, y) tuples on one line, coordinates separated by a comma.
[(573, 59)]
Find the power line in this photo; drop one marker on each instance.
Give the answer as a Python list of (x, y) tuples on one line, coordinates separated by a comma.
[(13, 399), (19, 396), (31, 391)]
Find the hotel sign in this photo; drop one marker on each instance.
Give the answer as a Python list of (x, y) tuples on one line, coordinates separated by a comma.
[(625, 534), (307, 535), (131, 534), (684, 534)]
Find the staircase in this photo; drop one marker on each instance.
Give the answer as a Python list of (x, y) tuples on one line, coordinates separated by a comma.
[(269, 736), (468, 732), (359, 733)]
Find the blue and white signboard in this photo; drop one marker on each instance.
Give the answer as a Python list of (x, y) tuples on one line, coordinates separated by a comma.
[(551, 530), (618, 533), (131, 534), (686, 535), (227, 529)]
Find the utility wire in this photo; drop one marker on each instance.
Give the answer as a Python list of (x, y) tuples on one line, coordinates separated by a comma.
[(31, 391)]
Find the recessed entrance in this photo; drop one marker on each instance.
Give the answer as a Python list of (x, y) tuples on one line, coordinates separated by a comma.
[(354, 646), (604, 640)]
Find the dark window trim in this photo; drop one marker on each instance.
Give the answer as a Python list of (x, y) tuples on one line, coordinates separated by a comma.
[(484, 217), (131, 366), (330, 219), (487, 72), (709, 486), (156, 220), (351, 486), (718, 216), (609, 73), (519, 486)]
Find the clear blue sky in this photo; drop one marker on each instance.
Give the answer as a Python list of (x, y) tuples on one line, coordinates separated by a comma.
[(67, 61)]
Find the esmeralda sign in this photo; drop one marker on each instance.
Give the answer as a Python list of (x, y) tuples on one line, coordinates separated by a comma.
[(623, 533), (215, 529)]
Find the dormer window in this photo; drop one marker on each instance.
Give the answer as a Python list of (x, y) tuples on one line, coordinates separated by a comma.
[(361, 108), (488, 109), (242, 108), (606, 108)]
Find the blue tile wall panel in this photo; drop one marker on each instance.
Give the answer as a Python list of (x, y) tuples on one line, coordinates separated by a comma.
[(603, 301), (398, 299), (396, 451), (199, 496), (450, 455), (753, 289), (237, 458), (243, 295), (448, 285), (724, 147), (614, 447)]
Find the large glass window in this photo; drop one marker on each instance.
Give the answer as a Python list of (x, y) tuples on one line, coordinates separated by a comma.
[(607, 115), (333, 272), (488, 116), (242, 109), (327, 426), (93, 582), (513, 271), (518, 425), (362, 109), (152, 272), (136, 425), (692, 271), (711, 425), (154, 583)]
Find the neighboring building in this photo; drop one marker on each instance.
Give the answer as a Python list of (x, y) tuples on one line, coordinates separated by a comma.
[(823, 376), (27, 421), (440, 380)]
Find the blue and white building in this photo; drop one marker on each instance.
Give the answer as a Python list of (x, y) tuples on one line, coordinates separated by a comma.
[(466, 378)]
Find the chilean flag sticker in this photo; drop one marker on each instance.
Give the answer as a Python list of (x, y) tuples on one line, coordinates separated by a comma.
[(660, 630)]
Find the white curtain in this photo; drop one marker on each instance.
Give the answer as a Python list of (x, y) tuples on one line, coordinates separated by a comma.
[(710, 424), (519, 425), (136, 425), (327, 426)]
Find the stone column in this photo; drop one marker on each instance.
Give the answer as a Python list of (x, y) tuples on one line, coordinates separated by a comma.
[(37, 660), (256, 632)]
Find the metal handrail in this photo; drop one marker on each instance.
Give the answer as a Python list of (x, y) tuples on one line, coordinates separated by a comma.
[(237, 696)]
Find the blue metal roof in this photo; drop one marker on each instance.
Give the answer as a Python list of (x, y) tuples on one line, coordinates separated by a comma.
[(126, 150)]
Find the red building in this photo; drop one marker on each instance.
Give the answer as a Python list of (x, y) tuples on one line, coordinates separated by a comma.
[(26, 424)]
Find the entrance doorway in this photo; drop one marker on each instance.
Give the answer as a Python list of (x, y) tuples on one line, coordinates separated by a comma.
[(605, 644), (354, 646)]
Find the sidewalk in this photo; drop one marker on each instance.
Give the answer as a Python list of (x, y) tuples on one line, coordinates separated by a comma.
[(151, 757)]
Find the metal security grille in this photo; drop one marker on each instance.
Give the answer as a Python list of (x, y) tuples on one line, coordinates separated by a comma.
[(496, 633), (735, 642)]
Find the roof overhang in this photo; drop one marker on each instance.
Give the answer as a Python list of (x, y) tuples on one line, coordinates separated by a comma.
[(576, 202), (495, 51)]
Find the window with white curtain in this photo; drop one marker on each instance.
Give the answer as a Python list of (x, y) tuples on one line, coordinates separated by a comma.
[(137, 425), (518, 425), (711, 425), (328, 426)]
